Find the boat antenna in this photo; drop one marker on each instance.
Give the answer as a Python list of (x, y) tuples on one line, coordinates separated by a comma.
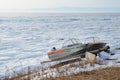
[(94, 39)]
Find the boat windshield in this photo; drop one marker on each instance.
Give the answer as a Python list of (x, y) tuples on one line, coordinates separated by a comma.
[(71, 42)]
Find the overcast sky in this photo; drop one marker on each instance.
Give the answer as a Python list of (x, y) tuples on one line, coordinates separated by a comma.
[(60, 5)]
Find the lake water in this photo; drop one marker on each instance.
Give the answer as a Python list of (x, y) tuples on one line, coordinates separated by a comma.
[(25, 39)]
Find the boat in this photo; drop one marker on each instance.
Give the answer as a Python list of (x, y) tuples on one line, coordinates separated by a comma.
[(76, 49)]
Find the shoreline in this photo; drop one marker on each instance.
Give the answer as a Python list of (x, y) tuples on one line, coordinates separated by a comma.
[(49, 73), (98, 74)]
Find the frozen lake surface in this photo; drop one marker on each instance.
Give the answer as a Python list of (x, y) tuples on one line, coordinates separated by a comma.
[(26, 39)]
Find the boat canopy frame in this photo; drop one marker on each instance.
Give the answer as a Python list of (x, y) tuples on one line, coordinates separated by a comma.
[(92, 40)]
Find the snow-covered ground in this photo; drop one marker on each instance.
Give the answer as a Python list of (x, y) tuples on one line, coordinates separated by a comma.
[(25, 40), (104, 60)]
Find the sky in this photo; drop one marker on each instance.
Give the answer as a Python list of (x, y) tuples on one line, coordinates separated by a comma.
[(59, 5)]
